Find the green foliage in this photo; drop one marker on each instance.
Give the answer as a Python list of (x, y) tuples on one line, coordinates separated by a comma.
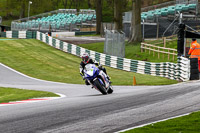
[(39, 60), (11, 94), (16, 9)]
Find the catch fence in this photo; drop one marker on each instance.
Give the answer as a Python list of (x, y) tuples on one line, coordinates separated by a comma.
[(114, 43)]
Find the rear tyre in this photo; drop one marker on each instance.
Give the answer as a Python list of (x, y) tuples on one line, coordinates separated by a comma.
[(100, 87)]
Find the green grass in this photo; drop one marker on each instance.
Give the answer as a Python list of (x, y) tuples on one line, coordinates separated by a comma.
[(36, 59), (11, 94), (185, 124), (99, 46), (133, 52)]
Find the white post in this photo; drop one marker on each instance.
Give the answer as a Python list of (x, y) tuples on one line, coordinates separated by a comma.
[(29, 3)]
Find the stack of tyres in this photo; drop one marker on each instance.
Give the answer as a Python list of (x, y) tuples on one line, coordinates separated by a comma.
[(194, 71)]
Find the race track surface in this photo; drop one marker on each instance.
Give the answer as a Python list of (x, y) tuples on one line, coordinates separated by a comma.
[(86, 110)]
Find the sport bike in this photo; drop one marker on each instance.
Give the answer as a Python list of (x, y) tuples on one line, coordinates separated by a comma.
[(98, 79)]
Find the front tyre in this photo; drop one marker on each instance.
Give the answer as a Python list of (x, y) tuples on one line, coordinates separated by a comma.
[(100, 87), (110, 90)]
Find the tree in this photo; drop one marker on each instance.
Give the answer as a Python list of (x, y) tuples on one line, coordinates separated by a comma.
[(55, 4), (64, 2), (89, 4), (98, 16), (118, 14), (23, 9), (136, 34)]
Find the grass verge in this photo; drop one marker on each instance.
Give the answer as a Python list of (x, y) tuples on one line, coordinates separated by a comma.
[(133, 51), (185, 124), (36, 59), (11, 94)]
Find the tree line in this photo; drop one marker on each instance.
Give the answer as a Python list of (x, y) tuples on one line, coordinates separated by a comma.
[(17, 9), (106, 10)]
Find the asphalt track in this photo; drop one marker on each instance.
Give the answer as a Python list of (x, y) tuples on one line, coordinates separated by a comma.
[(86, 110)]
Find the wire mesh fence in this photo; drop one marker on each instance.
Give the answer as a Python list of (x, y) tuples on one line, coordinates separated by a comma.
[(114, 43)]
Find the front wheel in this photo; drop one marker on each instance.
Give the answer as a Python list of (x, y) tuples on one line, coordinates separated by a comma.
[(110, 90), (100, 87)]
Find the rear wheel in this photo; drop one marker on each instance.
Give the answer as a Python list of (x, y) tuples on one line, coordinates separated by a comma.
[(100, 87)]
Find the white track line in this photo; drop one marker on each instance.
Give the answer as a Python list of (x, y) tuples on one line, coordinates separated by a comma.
[(151, 123)]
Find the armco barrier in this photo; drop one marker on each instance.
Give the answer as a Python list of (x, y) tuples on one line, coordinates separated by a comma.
[(175, 71), (19, 34)]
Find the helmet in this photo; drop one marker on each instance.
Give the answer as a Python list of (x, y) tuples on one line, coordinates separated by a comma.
[(85, 57)]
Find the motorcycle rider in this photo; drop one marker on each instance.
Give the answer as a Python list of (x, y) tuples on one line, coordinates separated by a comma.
[(195, 51), (87, 60)]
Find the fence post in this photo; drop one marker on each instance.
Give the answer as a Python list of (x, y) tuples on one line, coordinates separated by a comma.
[(173, 55), (149, 50), (154, 52), (163, 53), (145, 48), (164, 41), (142, 49), (158, 54), (168, 54)]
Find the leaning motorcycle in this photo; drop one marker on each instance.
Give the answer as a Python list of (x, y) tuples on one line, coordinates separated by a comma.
[(98, 79)]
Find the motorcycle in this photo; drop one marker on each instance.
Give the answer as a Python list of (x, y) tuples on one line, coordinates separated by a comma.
[(98, 79)]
